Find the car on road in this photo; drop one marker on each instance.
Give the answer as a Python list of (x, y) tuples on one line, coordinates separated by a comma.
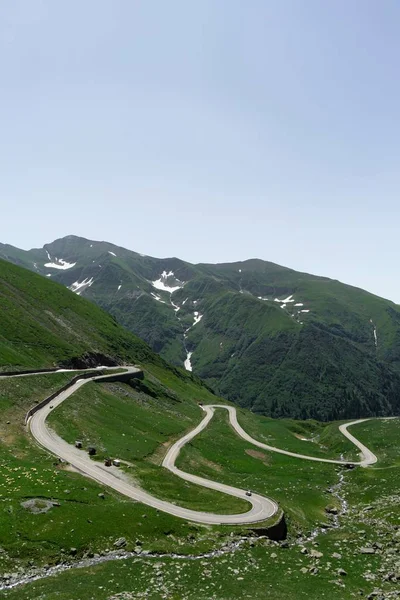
[(248, 493)]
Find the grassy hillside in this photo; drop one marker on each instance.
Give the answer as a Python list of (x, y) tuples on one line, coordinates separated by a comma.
[(43, 325), (322, 556), (82, 518), (137, 422)]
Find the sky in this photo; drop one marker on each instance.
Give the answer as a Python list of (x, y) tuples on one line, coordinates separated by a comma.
[(211, 130)]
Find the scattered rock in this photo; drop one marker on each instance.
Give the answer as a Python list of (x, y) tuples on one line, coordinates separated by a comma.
[(367, 550), (120, 542), (38, 505), (332, 510)]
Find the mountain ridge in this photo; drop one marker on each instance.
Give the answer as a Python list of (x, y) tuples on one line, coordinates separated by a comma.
[(265, 336)]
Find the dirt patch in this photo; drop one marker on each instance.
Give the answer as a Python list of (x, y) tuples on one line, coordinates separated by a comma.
[(8, 439), (211, 464), (67, 467), (259, 455), (208, 463), (159, 453)]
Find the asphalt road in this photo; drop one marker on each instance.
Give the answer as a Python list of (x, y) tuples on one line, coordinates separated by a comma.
[(261, 507), (367, 457)]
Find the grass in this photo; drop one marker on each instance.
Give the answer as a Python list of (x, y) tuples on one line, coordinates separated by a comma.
[(44, 324), (261, 573), (89, 523), (299, 486), (122, 422), (84, 520), (311, 438), (17, 396), (258, 570), (382, 481)]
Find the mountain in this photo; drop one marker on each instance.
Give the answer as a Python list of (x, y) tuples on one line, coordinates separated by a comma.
[(272, 339)]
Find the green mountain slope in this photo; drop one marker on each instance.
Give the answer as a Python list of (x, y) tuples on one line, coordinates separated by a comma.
[(44, 325), (280, 342)]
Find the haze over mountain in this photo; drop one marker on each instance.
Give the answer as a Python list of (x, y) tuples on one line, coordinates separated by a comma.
[(267, 337)]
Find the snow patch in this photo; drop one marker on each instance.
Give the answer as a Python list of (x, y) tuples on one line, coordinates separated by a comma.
[(240, 270), (59, 264), (286, 300), (48, 275), (79, 286), (163, 283), (299, 304), (175, 307), (112, 253), (158, 298), (119, 287), (188, 364), (197, 318), (306, 310)]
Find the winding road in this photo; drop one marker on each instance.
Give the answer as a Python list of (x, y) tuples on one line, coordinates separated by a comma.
[(261, 509)]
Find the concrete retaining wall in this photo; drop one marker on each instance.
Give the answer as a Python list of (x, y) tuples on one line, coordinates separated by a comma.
[(277, 531), (120, 377)]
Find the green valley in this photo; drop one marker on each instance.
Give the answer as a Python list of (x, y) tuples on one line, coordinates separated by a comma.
[(64, 535)]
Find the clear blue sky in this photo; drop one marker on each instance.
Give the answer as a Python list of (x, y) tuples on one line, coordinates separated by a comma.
[(212, 130)]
